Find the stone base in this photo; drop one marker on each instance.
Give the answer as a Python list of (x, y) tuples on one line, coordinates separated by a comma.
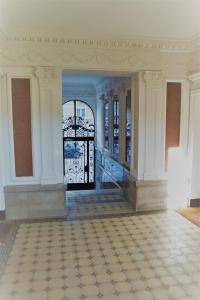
[(130, 191), (35, 201), (147, 195), (195, 202)]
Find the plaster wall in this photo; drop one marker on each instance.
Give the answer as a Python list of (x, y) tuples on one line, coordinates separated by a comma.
[(194, 137), (43, 60)]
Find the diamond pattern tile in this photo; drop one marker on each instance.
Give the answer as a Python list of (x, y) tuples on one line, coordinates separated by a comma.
[(150, 256)]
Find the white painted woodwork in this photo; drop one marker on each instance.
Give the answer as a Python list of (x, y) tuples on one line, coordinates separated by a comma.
[(195, 137), (3, 154), (49, 80), (151, 126)]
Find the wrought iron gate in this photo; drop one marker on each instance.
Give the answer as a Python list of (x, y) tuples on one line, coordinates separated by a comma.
[(78, 145)]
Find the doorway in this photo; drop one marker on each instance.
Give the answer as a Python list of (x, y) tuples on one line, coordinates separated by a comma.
[(79, 145)]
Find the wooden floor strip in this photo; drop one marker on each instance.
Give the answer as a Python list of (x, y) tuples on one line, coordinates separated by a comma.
[(191, 213)]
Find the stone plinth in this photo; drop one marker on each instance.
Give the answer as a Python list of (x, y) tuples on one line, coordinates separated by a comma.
[(35, 201), (147, 195)]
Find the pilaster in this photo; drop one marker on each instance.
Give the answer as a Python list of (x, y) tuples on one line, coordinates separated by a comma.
[(49, 80), (194, 135), (146, 188), (135, 126), (154, 125), (100, 123), (2, 141)]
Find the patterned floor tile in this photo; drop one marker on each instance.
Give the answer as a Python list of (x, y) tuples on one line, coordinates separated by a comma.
[(151, 256)]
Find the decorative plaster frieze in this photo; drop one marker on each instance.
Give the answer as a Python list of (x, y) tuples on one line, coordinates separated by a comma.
[(162, 44), (153, 76), (91, 59)]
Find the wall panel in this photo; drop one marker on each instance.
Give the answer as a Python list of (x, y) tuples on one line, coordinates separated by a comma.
[(21, 113), (173, 111)]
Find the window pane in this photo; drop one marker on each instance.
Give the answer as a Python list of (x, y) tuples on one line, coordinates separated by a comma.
[(84, 120), (106, 123), (128, 127), (116, 126), (68, 119)]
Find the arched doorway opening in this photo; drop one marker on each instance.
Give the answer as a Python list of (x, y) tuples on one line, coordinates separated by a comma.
[(78, 145)]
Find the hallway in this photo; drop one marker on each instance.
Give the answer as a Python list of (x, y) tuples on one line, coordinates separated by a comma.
[(141, 257), (99, 144)]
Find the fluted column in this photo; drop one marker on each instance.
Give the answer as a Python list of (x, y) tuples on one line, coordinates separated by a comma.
[(49, 80)]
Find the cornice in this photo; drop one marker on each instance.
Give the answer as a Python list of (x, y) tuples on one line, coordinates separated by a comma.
[(141, 43)]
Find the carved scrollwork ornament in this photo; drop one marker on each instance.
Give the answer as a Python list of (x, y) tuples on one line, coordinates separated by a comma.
[(153, 75), (195, 80), (46, 74)]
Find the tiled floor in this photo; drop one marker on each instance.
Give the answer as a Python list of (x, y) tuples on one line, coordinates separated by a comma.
[(150, 256)]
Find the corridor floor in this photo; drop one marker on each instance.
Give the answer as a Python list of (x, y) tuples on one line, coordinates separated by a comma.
[(83, 205), (150, 256)]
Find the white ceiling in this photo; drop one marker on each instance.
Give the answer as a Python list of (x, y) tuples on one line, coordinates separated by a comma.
[(179, 19)]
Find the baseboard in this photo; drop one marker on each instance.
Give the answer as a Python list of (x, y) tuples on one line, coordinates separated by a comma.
[(195, 202), (2, 215)]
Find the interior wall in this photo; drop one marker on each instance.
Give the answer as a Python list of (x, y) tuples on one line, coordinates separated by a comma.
[(194, 137), (25, 57)]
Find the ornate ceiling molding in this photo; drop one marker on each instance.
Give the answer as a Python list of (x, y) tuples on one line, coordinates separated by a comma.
[(141, 43), (93, 54)]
